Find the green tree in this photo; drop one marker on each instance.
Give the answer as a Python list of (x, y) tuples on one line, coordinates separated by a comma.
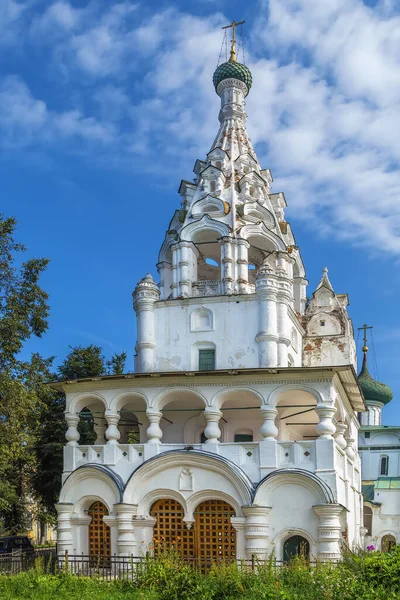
[(79, 363), (23, 313)]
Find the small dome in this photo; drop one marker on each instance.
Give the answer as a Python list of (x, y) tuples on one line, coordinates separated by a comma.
[(374, 391), (232, 70)]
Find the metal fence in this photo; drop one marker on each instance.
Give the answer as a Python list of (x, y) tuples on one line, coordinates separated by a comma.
[(128, 568)]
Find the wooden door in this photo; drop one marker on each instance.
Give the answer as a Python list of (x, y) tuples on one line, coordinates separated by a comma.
[(99, 532), (214, 533), (170, 531)]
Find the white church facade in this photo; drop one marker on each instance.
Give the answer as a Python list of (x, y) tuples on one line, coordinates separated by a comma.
[(236, 435)]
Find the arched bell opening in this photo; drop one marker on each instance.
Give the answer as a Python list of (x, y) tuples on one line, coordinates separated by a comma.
[(296, 546), (133, 422), (241, 415), (209, 259)]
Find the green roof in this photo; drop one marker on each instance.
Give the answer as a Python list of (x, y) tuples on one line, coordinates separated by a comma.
[(232, 70), (388, 483), (374, 391)]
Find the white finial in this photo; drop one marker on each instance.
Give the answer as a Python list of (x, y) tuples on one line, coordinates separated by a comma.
[(325, 270)]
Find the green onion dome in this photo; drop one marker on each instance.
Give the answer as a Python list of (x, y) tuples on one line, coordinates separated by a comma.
[(373, 390), (232, 70)]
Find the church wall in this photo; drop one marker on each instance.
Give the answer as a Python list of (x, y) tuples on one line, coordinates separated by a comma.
[(234, 327)]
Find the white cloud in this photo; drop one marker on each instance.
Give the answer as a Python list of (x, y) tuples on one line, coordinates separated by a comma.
[(323, 111)]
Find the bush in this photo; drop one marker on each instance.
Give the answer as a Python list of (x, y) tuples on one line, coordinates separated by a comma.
[(363, 576)]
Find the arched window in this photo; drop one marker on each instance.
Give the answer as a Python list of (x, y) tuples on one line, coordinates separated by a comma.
[(388, 542), (99, 531), (212, 186), (252, 191), (384, 465), (243, 436), (368, 519)]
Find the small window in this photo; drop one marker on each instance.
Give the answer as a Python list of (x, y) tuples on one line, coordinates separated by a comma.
[(367, 433), (243, 437), (384, 469), (218, 164), (206, 360), (368, 519), (322, 323), (212, 186)]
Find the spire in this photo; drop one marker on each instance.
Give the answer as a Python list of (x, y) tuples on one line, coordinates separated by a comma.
[(325, 281), (374, 391)]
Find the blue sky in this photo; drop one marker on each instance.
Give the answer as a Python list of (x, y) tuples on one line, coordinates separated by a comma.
[(105, 106)]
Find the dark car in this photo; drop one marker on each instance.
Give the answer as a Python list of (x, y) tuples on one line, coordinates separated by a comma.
[(16, 543)]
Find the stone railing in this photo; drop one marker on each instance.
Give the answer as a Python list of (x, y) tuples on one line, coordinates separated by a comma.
[(207, 287)]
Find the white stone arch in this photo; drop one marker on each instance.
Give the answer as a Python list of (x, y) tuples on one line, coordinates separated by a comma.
[(167, 396), (131, 405), (202, 319), (209, 204), (262, 237), (297, 477), (103, 484), (274, 394), (86, 399), (85, 503), (162, 473), (202, 226), (144, 506), (165, 254), (204, 495), (223, 396)]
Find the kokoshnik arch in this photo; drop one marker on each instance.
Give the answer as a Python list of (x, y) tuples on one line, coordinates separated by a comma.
[(237, 432)]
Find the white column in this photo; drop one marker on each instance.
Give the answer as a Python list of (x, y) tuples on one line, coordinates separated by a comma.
[(329, 531), (145, 295), (112, 432), (339, 436), (126, 540), (165, 274), (325, 427), (212, 430), (256, 530), (227, 274), (184, 283), (154, 431), (267, 336), (72, 434), (99, 430), (174, 270), (243, 264), (64, 528), (268, 429)]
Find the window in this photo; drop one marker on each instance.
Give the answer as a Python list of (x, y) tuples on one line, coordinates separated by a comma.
[(206, 360), (368, 519), (367, 433), (212, 186), (322, 323), (218, 164), (243, 437), (384, 467)]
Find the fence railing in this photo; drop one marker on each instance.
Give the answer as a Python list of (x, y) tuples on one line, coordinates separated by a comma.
[(128, 568)]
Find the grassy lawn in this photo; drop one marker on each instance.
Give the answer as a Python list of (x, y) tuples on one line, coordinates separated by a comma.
[(359, 577)]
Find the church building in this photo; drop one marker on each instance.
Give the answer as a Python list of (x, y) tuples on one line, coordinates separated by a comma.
[(236, 434)]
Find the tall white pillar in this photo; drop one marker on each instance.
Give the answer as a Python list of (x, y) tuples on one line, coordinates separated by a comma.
[(256, 530), (112, 432), (227, 264), (243, 264), (64, 528), (329, 531), (174, 270), (126, 541), (145, 295), (165, 273), (267, 336)]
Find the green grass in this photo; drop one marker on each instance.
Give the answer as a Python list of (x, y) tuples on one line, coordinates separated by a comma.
[(357, 577)]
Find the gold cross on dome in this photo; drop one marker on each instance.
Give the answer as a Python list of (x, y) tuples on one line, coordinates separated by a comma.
[(234, 24), (365, 327)]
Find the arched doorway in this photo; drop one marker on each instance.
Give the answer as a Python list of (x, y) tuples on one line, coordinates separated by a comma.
[(294, 546), (170, 530), (99, 532), (388, 542), (214, 533)]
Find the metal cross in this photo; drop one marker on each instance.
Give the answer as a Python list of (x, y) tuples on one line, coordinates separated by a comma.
[(364, 328), (233, 50)]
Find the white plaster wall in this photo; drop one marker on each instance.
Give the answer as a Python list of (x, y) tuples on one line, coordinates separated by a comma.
[(370, 460), (235, 328)]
